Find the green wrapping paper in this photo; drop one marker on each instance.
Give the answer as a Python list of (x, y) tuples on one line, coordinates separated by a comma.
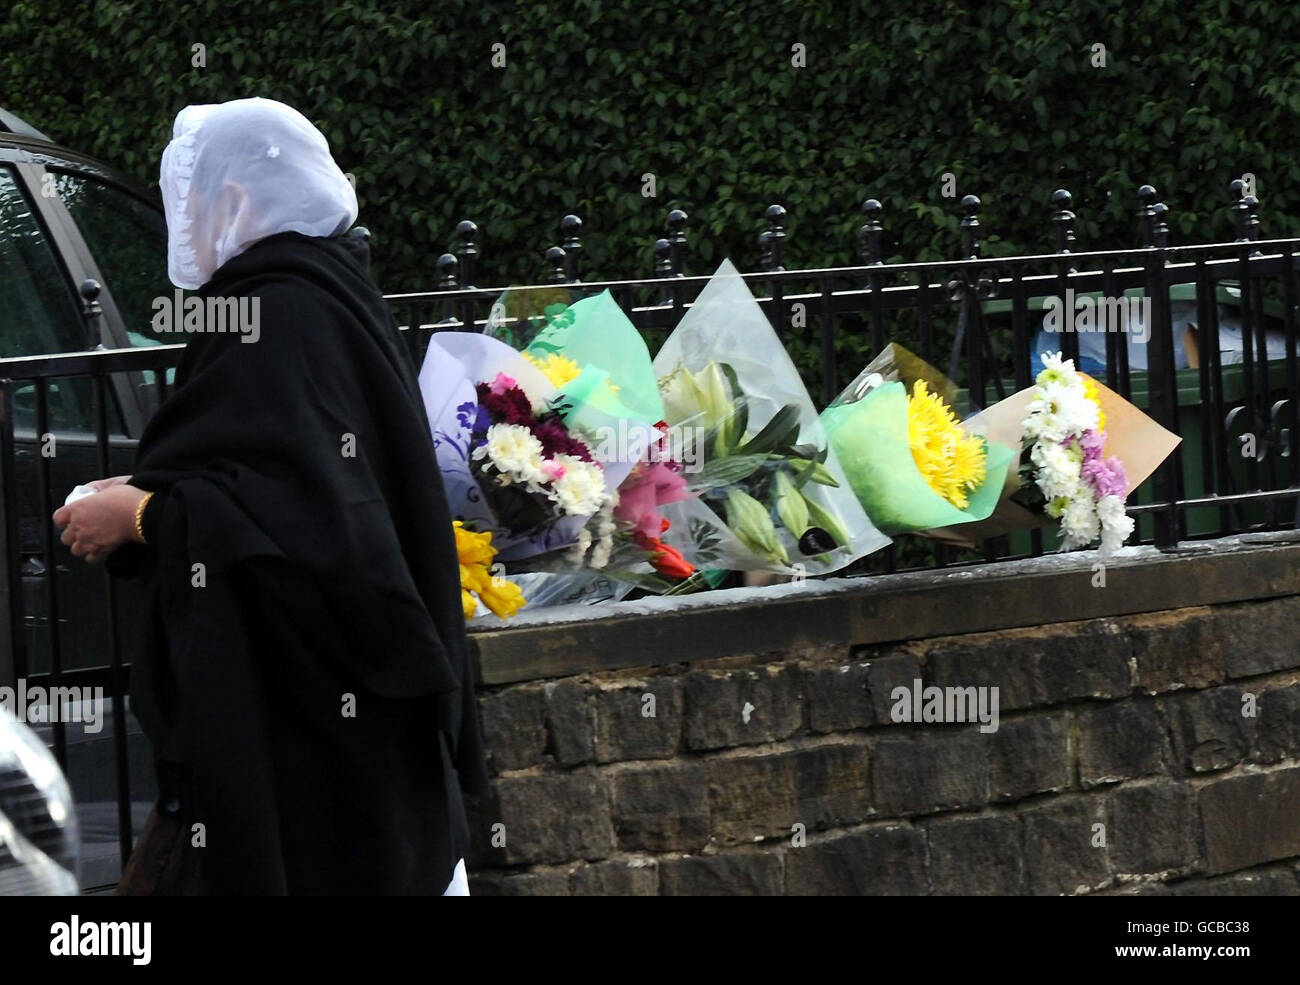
[(870, 440), (599, 337)]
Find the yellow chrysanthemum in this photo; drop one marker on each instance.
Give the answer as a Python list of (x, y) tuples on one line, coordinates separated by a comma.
[(555, 367), (950, 460), (560, 369), (1090, 391), (476, 553)]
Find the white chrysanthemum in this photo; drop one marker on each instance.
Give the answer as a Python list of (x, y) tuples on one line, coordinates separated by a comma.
[(1058, 412), (1044, 420), (515, 452), (1116, 525), (1060, 492), (1079, 413), (1055, 455), (1080, 524), (580, 491), (1059, 473), (1058, 370)]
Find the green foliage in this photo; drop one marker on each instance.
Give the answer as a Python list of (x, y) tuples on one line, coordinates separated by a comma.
[(705, 97)]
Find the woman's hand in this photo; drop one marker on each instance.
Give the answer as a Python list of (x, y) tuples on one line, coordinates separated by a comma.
[(99, 485), (97, 525)]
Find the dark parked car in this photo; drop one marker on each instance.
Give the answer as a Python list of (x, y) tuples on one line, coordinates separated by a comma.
[(66, 220)]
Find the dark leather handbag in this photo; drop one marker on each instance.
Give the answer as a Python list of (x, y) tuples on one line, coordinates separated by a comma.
[(164, 862)]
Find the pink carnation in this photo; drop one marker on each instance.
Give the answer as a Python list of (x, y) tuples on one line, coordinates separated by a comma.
[(502, 383)]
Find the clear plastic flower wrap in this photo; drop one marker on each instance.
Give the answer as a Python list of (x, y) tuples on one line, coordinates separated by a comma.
[(768, 492)]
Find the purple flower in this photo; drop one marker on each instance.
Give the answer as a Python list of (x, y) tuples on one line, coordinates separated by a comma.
[(1106, 476), (1093, 442)]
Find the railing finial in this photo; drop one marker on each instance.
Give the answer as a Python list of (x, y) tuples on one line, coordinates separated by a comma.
[(91, 312), (555, 260), (869, 233), (970, 227), (1147, 214), (1160, 228), (447, 264), (676, 224), (1064, 219), (776, 217), (1252, 218), (663, 258), (467, 252), (570, 228)]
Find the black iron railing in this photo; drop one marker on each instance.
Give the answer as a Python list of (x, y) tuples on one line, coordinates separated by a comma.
[(974, 316)]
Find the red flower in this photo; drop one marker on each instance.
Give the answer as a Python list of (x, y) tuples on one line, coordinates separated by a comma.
[(557, 441), (506, 406), (666, 560)]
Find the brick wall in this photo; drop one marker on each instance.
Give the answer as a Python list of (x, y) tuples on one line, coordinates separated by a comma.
[(1151, 751)]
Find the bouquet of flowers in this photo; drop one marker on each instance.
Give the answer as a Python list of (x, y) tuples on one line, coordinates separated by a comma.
[(592, 351), (521, 458), (911, 464), (768, 493), (1066, 472), (1084, 448), (480, 579)]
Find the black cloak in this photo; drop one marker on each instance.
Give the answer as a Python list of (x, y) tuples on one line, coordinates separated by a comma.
[(303, 649)]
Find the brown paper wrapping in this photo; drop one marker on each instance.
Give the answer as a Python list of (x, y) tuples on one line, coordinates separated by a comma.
[(1133, 437)]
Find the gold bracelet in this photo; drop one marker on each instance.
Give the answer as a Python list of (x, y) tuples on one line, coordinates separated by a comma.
[(139, 516)]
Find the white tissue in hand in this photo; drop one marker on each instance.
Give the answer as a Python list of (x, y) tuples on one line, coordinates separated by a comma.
[(78, 492)]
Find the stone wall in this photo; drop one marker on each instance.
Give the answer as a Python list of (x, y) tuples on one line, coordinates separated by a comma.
[(743, 742)]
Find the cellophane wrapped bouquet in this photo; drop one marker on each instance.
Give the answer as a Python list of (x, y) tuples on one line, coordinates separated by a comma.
[(524, 462), (767, 493), (591, 350)]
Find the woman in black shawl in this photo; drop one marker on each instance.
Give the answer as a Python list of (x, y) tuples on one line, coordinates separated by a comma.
[(302, 667)]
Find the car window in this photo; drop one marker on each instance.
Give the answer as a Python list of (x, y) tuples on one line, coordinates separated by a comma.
[(38, 314), (128, 238), (37, 310)]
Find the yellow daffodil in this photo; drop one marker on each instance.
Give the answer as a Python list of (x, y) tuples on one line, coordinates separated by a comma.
[(468, 603), (951, 461), (476, 553), (473, 548), (1090, 391)]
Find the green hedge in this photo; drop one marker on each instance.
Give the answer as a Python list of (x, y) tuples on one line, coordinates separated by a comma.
[(704, 96)]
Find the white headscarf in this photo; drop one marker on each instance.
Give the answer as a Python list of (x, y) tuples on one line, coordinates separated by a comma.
[(237, 172)]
